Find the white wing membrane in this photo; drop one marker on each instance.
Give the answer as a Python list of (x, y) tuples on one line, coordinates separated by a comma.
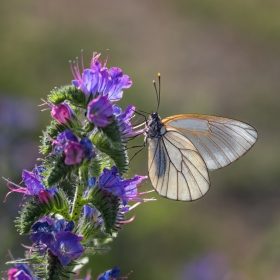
[(176, 169), (219, 141)]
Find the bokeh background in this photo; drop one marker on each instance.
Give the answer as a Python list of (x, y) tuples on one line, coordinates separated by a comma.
[(215, 57)]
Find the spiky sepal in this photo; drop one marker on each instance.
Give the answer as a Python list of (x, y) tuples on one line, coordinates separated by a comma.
[(113, 134), (51, 132), (56, 169), (108, 205), (97, 164), (55, 270), (117, 154), (34, 209), (68, 93)]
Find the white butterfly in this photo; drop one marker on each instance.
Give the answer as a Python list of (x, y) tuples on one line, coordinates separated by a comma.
[(182, 148)]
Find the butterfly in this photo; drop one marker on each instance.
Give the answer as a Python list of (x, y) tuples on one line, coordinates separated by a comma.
[(183, 148)]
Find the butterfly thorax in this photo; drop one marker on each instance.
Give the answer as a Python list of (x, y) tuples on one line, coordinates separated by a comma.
[(154, 126)]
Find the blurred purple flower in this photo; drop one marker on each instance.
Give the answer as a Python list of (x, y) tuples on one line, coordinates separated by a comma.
[(100, 111), (98, 80), (213, 266)]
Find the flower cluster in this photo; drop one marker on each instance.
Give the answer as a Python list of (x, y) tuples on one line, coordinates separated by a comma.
[(85, 145)]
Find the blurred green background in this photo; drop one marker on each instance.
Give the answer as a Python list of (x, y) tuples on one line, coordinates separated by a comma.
[(215, 57)]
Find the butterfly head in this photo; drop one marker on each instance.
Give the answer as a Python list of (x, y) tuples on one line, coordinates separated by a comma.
[(154, 115)]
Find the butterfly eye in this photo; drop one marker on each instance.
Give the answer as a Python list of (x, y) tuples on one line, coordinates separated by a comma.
[(154, 115)]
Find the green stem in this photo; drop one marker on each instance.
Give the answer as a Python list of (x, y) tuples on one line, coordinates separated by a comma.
[(79, 201)]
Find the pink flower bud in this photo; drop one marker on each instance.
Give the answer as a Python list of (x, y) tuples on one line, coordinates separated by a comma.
[(44, 196), (61, 112)]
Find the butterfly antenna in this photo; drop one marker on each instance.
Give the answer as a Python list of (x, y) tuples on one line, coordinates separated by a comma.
[(158, 90), (138, 112), (155, 86)]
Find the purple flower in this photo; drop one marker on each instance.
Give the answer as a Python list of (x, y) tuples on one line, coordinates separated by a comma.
[(32, 181), (98, 80), (109, 274), (15, 274), (67, 246), (33, 184), (75, 150), (100, 111), (125, 126), (21, 272), (11, 273), (46, 229), (125, 189), (50, 225), (43, 240), (88, 148), (63, 138)]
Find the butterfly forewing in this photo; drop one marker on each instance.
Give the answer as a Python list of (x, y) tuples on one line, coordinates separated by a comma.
[(176, 169), (219, 140)]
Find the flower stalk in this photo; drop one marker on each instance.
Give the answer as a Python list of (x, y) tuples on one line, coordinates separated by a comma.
[(84, 146)]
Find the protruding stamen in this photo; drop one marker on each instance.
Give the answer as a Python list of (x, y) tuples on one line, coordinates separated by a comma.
[(82, 60), (107, 58), (72, 68)]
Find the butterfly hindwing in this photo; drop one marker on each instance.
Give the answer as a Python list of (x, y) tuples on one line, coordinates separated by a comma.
[(220, 141), (176, 169)]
